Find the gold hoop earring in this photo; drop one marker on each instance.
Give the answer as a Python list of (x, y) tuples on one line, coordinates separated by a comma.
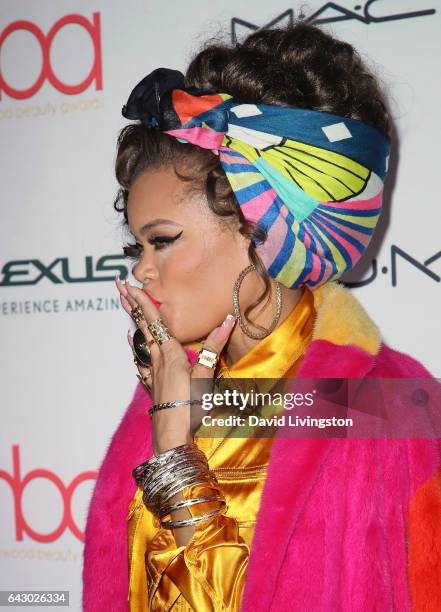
[(246, 330)]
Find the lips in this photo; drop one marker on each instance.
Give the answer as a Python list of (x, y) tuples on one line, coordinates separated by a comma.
[(152, 299)]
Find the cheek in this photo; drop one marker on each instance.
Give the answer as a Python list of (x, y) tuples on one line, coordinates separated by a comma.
[(197, 287)]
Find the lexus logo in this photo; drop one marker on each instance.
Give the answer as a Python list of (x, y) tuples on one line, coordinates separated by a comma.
[(47, 72)]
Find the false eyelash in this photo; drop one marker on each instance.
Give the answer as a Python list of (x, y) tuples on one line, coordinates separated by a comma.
[(164, 239), (132, 250)]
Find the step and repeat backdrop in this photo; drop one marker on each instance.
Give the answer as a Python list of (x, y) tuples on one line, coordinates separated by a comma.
[(67, 376)]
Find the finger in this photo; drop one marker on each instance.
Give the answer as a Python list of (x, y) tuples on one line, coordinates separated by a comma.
[(129, 303), (145, 374), (126, 301), (170, 347), (215, 342), (120, 285), (144, 369), (137, 297)]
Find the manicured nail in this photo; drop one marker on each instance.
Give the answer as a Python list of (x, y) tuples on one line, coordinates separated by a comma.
[(130, 338), (124, 301), (228, 320)]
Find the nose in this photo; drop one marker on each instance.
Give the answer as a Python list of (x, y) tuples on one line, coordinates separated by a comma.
[(145, 270)]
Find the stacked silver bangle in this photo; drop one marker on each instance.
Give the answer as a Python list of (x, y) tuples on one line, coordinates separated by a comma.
[(168, 473)]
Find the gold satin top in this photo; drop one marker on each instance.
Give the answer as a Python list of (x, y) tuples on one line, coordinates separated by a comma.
[(209, 572)]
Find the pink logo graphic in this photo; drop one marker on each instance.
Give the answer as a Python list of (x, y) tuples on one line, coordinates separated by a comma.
[(18, 485), (45, 42)]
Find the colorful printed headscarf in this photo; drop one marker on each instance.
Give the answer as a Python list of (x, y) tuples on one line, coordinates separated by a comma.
[(312, 180)]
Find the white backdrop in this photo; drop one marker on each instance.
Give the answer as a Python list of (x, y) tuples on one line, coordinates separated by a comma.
[(67, 374)]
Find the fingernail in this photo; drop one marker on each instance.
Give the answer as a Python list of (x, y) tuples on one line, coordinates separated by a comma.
[(117, 277), (228, 320)]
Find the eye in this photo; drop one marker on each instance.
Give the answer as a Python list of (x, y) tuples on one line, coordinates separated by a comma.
[(159, 242), (132, 251)]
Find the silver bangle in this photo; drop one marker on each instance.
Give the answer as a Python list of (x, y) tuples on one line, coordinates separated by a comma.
[(144, 470), (155, 505), (172, 404), (190, 502), (191, 521), (172, 474), (168, 473)]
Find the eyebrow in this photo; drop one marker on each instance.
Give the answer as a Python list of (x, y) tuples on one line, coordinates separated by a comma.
[(145, 228)]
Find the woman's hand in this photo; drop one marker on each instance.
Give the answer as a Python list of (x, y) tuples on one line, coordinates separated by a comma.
[(170, 372)]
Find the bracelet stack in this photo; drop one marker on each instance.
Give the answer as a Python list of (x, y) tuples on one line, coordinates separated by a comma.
[(170, 472)]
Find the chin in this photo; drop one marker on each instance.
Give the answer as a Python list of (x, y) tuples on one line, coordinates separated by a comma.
[(182, 331), (188, 338)]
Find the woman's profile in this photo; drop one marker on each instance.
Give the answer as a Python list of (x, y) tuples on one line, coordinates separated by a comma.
[(250, 185)]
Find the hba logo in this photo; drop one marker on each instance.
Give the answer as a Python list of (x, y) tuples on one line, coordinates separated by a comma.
[(18, 483), (47, 72)]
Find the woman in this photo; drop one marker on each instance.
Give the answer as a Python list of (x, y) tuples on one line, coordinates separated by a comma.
[(250, 186)]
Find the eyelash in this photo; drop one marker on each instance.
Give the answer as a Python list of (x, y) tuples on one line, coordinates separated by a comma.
[(133, 250)]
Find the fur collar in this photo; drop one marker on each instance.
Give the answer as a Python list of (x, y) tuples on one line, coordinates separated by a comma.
[(342, 320)]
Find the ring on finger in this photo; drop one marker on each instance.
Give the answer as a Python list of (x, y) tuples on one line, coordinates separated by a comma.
[(141, 348), (208, 358), (144, 381), (159, 331), (138, 315), (139, 364)]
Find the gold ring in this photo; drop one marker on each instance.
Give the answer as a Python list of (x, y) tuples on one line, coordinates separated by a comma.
[(143, 380), (138, 315), (159, 331), (208, 358), (138, 362)]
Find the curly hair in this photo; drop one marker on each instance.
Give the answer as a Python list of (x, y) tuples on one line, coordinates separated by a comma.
[(298, 66)]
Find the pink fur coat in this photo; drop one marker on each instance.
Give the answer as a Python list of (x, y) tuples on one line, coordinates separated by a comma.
[(350, 525)]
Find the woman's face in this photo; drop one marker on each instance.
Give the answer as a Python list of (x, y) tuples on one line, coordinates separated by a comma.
[(187, 260)]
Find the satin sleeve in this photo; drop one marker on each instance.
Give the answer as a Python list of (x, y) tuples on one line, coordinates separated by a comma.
[(209, 572)]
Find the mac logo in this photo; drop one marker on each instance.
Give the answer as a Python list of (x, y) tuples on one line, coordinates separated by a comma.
[(397, 257), (370, 12)]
